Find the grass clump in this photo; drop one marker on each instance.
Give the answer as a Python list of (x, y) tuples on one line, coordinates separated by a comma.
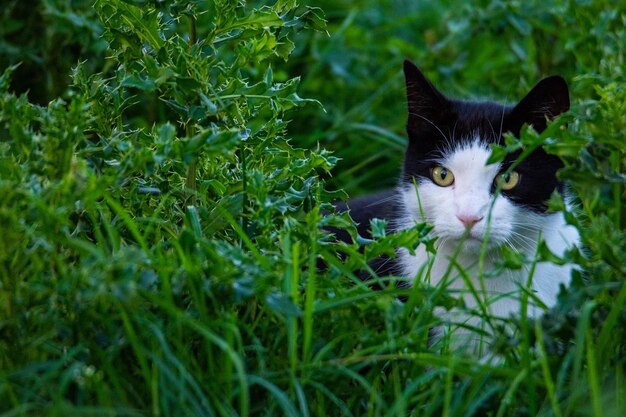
[(163, 205)]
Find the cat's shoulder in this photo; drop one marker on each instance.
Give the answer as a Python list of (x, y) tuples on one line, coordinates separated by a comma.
[(380, 205)]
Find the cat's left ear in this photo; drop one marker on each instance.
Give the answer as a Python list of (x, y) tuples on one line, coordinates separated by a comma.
[(547, 100), (426, 104)]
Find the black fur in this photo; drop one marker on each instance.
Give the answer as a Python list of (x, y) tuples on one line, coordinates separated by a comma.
[(381, 205)]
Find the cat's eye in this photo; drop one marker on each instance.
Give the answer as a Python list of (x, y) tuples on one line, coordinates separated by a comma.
[(508, 180), (442, 176)]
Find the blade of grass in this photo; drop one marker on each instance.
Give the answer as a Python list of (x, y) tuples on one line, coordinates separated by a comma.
[(545, 367), (281, 397), (448, 387), (592, 373), (127, 220), (202, 330)]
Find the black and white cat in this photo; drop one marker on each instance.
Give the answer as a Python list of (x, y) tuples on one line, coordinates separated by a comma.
[(446, 182)]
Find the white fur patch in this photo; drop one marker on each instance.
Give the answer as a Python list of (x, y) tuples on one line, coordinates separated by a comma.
[(503, 223)]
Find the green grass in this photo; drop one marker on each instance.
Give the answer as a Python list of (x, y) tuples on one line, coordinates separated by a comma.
[(165, 175)]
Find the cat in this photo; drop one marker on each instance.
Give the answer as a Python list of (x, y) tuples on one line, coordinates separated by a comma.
[(447, 182)]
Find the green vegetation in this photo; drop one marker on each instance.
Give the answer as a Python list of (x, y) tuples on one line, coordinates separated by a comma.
[(165, 168)]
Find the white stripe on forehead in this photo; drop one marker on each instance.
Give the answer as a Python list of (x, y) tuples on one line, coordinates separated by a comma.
[(468, 162)]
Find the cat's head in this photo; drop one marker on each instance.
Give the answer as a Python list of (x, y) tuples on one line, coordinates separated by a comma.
[(447, 153)]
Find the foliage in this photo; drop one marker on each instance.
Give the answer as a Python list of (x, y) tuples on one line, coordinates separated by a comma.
[(165, 192), (47, 38)]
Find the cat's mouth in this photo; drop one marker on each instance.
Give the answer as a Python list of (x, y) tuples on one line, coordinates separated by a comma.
[(470, 235), (471, 240), (474, 241)]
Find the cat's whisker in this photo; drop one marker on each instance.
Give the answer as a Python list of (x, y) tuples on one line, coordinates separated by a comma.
[(522, 236), (454, 130), (528, 235), (501, 122), (528, 223), (527, 227), (382, 201), (512, 245), (522, 230), (528, 244), (430, 122), (493, 131), (382, 265)]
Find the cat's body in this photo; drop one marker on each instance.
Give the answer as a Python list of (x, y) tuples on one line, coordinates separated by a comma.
[(446, 182)]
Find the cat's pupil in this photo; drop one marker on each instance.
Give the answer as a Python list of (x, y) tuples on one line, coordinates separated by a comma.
[(506, 177), (443, 173)]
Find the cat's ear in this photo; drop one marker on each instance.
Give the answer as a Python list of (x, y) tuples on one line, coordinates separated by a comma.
[(426, 104), (547, 100)]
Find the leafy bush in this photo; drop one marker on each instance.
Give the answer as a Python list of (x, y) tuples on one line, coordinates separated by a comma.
[(164, 201)]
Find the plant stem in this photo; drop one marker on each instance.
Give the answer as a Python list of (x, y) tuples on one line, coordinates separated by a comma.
[(191, 171)]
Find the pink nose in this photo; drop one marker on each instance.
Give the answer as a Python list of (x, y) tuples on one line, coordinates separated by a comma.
[(469, 220)]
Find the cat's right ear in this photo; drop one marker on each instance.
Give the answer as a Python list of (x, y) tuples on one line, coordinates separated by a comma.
[(547, 100), (426, 104)]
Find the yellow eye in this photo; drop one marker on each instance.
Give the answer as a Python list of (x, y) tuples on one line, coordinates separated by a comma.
[(442, 176), (508, 180)]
